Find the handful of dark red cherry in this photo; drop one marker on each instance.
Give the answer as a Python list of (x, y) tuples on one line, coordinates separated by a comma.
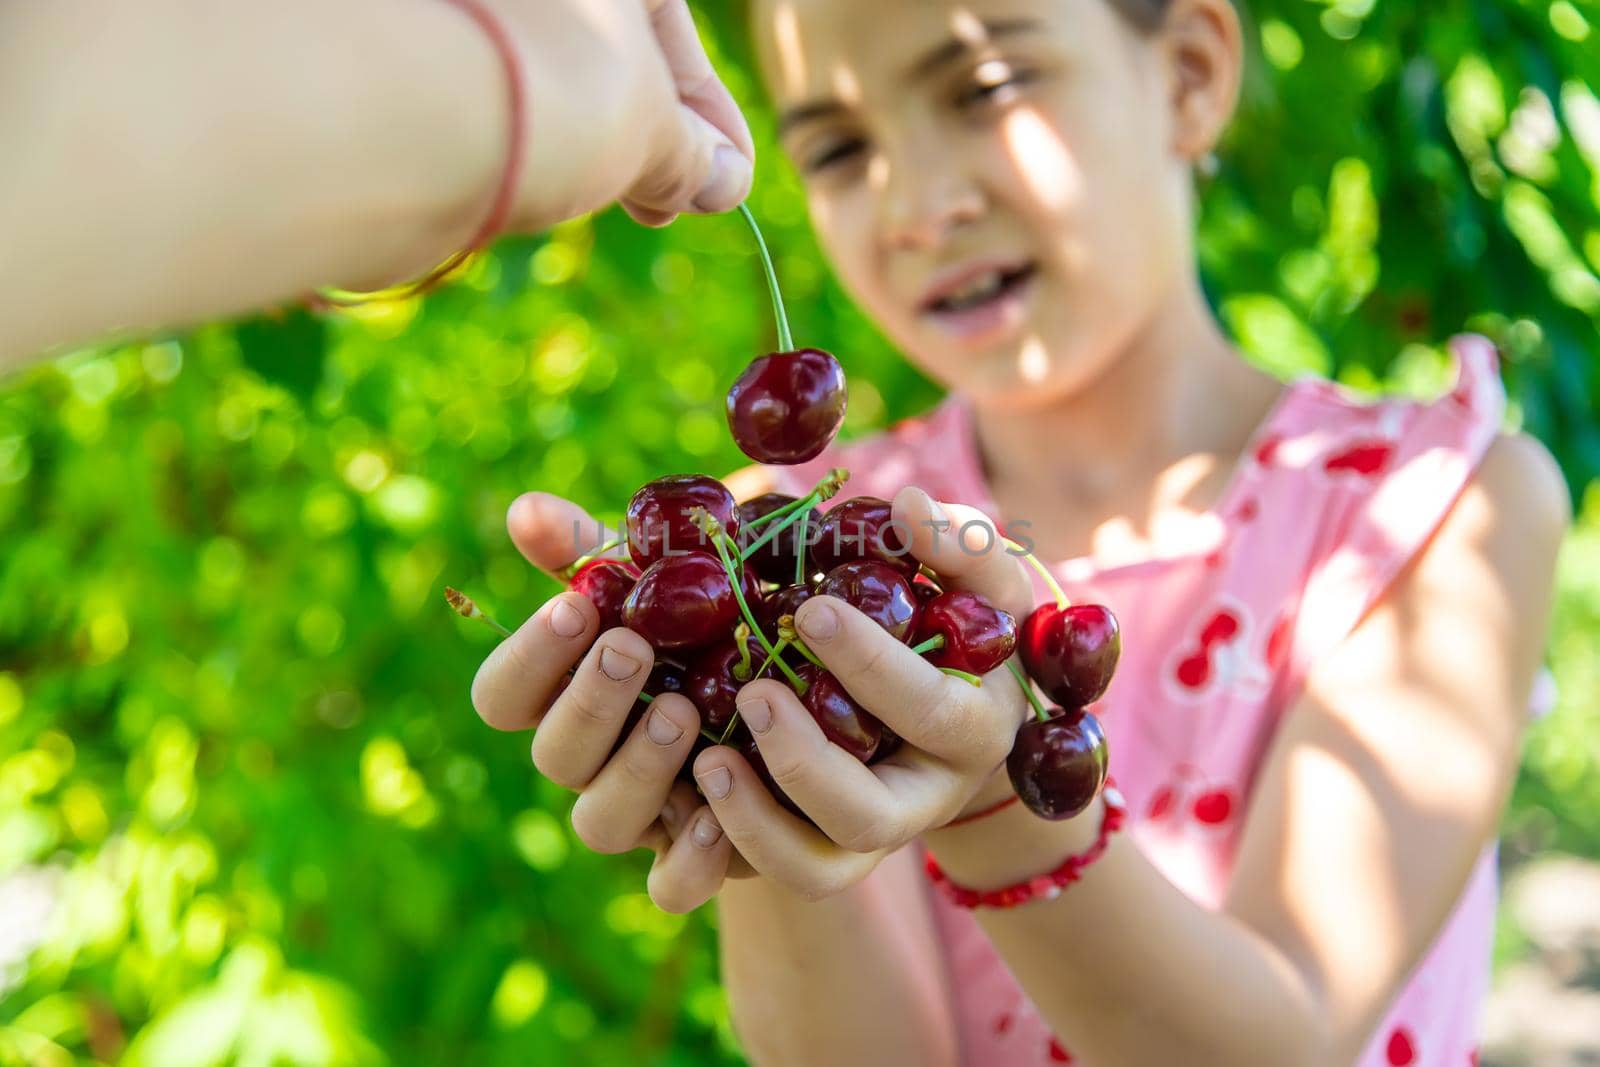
[(714, 587)]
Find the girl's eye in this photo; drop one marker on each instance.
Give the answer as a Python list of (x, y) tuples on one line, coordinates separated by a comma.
[(834, 154), (999, 91)]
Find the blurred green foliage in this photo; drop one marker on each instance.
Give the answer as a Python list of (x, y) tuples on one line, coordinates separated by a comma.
[(247, 814)]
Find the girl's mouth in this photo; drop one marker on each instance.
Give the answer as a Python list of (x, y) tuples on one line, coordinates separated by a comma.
[(984, 307)]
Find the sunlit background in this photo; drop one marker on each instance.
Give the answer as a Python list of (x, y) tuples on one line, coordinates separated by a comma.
[(247, 814)]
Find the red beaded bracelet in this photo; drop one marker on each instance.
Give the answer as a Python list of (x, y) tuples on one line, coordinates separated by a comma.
[(510, 178), (1046, 886)]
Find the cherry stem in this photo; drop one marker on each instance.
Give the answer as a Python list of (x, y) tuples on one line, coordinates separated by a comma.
[(800, 549), (932, 644), (570, 571), (464, 606), (791, 512), (1027, 691), (741, 637), (787, 632), (932, 576), (727, 731), (778, 648), (1062, 603), (719, 538), (785, 340), (646, 698), (971, 679)]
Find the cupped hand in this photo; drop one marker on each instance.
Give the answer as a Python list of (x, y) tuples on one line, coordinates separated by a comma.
[(956, 735), (592, 734)]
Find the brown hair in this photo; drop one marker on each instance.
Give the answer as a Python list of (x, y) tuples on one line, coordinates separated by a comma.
[(1145, 14)]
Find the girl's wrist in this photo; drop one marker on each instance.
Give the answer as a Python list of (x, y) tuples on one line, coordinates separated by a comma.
[(1011, 846)]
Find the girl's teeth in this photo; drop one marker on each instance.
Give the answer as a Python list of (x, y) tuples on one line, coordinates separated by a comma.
[(981, 289)]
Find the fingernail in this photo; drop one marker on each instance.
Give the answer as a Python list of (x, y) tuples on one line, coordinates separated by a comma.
[(662, 730), (716, 783), (617, 666), (935, 512), (727, 182), (565, 620), (757, 714), (819, 622), (706, 832), (672, 819)]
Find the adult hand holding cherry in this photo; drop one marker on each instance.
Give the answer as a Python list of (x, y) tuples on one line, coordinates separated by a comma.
[(955, 735), (624, 106)]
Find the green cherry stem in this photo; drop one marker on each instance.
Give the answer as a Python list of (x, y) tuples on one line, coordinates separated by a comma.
[(932, 644), (464, 606), (785, 340), (570, 571), (787, 632), (971, 679), (793, 511), (779, 649), (709, 526), (801, 548), (1027, 691), (1056, 591)]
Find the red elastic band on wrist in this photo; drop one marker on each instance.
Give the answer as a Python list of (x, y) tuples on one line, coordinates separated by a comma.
[(505, 194), (1046, 886), (993, 809)]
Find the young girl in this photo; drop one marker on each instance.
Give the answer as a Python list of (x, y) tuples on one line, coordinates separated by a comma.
[(1333, 611)]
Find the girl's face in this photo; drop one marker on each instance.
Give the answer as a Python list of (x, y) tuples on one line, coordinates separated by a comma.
[(1003, 184)]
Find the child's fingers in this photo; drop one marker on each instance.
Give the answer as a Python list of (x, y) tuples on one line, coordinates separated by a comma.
[(518, 679), (629, 791), (692, 869), (551, 532), (776, 843), (577, 734), (842, 795), (930, 710), (963, 547)]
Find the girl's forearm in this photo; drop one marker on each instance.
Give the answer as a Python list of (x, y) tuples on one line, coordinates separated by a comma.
[(1124, 965), (174, 161), (855, 979)]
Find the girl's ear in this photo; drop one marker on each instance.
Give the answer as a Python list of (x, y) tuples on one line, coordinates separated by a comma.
[(1204, 50)]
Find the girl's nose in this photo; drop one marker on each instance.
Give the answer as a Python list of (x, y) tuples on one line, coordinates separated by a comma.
[(923, 200)]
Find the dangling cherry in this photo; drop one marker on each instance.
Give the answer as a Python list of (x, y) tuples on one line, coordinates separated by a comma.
[(843, 721), (659, 522), (862, 527), (775, 561), (978, 636), (876, 590), (682, 602), (1072, 653), (788, 406), (607, 583), (1058, 765)]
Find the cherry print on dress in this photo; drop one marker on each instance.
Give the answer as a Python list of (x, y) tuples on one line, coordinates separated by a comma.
[(1003, 1024), (1219, 656), (1267, 451), (1215, 806), (1402, 1049), (1278, 635), (1059, 1054), (1364, 459)]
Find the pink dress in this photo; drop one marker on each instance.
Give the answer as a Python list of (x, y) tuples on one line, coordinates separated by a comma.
[(1332, 499)]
